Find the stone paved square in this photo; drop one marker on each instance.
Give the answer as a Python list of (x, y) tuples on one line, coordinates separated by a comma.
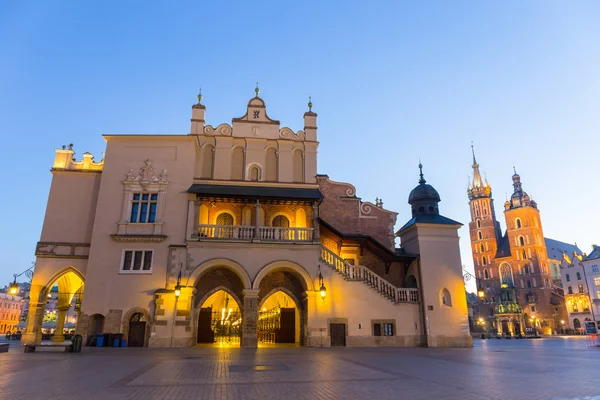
[(554, 368)]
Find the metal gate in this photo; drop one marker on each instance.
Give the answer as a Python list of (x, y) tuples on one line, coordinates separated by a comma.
[(219, 326), (277, 325)]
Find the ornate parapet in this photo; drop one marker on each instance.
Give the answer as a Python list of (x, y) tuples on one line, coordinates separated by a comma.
[(65, 161), (62, 250)]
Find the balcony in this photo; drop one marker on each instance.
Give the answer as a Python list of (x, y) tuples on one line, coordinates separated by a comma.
[(250, 233)]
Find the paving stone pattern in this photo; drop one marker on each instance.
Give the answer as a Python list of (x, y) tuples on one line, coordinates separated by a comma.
[(546, 369)]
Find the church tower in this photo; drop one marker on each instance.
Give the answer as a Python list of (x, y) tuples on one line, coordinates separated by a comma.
[(484, 228)]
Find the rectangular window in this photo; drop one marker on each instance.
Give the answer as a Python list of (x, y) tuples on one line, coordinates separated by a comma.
[(595, 268), (597, 280), (143, 208), (570, 290), (137, 261), (580, 287), (532, 309), (388, 329), (376, 329)]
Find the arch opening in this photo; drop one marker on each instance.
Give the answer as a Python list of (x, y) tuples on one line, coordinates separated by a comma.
[(278, 319), (220, 319)]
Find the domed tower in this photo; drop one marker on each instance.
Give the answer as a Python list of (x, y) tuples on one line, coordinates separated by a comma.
[(484, 229), (435, 239)]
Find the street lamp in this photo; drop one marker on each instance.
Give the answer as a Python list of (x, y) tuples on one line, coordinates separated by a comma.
[(480, 292), (533, 319), (13, 288), (322, 289)]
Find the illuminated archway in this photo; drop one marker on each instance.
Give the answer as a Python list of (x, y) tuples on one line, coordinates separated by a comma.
[(219, 318), (279, 318)]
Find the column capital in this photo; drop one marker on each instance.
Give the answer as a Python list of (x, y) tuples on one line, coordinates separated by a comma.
[(63, 308), (250, 292)]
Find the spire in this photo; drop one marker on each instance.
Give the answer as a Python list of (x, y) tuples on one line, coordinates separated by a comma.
[(479, 187), (422, 180), (309, 104), (199, 96), (257, 90)]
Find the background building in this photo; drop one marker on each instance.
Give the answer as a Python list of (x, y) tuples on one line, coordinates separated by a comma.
[(10, 312), (514, 268), (581, 280)]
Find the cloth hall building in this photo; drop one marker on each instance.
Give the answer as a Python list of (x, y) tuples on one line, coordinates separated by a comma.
[(228, 235)]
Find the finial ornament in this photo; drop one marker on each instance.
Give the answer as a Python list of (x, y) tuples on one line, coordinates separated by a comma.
[(257, 90), (199, 96), (473, 151), (514, 169), (421, 178), (309, 103)]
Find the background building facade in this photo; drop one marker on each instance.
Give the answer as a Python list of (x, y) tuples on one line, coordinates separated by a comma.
[(522, 290)]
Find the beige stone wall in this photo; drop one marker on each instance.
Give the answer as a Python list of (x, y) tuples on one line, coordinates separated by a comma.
[(441, 269)]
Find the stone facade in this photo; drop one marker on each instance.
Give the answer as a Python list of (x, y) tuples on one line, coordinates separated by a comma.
[(227, 234)]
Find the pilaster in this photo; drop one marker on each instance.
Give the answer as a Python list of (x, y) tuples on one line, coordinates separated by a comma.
[(250, 318)]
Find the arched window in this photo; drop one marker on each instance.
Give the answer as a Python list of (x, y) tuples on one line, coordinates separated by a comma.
[(576, 323), (526, 269), (445, 298), (579, 276), (298, 166), (521, 241), (518, 223), (411, 282), (547, 283), (479, 223), (524, 254), (485, 211), (254, 173), (281, 221), (506, 276), (529, 284), (479, 235), (208, 153), (568, 278), (237, 163), (481, 247), (225, 219), (483, 260), (486, 275)]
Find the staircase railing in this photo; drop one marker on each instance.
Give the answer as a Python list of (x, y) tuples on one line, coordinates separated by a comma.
[(360, 273)]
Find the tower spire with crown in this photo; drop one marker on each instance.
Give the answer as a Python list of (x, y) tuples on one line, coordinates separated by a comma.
[(479, 187)]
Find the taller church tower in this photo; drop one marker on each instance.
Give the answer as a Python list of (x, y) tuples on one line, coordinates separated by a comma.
[(484, 228)]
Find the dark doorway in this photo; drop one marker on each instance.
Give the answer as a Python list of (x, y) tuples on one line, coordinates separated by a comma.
[(338, 334), (505, 330), (205, 333), (287, 329), (137, 330), (517, 326)]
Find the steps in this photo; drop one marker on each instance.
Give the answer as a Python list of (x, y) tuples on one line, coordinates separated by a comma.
[(359, 273)]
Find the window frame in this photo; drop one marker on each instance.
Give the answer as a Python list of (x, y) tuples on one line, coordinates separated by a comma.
[(378, 327), (132, 261), (152, 200)]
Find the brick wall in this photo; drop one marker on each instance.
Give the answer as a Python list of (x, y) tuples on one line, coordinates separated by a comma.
[(348, 214)]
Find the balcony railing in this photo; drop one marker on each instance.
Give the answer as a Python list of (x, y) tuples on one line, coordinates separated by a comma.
[(248, 232)]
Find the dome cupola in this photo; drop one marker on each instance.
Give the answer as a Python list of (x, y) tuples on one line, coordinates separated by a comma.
[(424, 198)]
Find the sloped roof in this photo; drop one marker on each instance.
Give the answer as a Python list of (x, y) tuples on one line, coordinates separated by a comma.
[(429, 219), (503, 247), (594, 254), (557, 248)]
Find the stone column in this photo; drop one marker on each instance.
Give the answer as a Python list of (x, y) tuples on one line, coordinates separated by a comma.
[(33, 330), (196, 203), (60, 324), (315, 222), (257, 221), (250, 318)]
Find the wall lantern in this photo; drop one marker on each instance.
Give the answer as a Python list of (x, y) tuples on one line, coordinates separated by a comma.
[(13, 288), (480, 292), (178, 286), (322, 289)]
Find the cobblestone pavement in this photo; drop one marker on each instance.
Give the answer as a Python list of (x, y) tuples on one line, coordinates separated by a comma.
[(557, 368)]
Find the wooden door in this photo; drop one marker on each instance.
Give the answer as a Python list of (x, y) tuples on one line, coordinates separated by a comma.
[(287, 326), (338, 334), (137, 332), (205, 332)]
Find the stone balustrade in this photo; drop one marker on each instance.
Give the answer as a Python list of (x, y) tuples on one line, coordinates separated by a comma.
[(360, 273), (248, 232)]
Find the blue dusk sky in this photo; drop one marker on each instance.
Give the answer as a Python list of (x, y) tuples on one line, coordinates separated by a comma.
[(392, 82)]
